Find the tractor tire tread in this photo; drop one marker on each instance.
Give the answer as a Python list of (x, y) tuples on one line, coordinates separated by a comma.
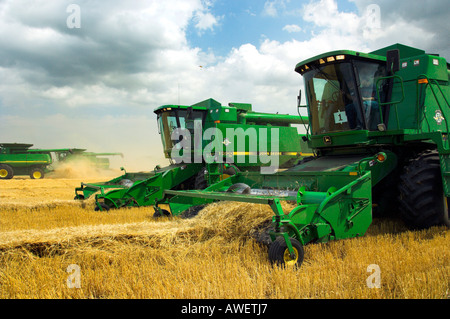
[(278, 247), (420, 191)]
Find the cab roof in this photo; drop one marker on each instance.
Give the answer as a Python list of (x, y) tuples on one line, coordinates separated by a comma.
[(203, 105), (379, 55), (333, 56)]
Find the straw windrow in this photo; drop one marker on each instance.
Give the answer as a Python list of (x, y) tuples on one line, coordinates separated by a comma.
[(127, 254)]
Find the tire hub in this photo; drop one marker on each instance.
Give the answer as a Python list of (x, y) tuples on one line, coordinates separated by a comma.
[(3, 173)]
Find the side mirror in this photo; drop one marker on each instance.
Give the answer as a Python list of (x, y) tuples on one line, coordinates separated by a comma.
[(392, 61), (299, 98)]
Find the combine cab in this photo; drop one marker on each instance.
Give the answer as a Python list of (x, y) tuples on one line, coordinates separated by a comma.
[(378, 126)]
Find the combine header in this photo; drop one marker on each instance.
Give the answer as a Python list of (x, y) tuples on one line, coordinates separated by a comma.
[(378, 126)]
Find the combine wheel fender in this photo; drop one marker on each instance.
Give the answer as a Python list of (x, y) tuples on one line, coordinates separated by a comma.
[(422, 200), (279, 252), (6, 171)]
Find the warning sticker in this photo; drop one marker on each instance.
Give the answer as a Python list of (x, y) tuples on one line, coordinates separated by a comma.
[(340, 117)]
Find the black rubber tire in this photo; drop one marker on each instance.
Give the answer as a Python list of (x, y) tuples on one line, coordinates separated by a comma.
[(40, 174), (278, 251), (385, 196), (421, 199), (9, 171)]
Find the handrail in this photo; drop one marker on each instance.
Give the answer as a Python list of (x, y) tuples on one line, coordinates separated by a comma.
[(390, 102)]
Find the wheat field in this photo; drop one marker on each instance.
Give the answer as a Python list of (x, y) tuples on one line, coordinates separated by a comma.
[(52, 246)]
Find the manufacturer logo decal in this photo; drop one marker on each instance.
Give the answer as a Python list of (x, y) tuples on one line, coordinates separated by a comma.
[(226, 141), (438, 117)]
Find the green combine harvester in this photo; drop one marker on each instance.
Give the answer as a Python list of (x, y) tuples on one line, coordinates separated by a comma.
[(21, 159), (379, 130), (230, 132)]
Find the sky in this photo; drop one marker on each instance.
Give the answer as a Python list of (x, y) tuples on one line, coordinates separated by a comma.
[(89, 73)]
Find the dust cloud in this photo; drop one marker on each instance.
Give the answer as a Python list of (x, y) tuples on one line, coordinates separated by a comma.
[(81, 168)]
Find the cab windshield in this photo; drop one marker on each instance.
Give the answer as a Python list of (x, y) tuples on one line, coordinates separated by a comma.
[(342, 96), (168, 121)]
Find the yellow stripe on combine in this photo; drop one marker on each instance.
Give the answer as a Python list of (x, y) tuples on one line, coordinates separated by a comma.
[(7, 162), (266, 153), (276, 153)]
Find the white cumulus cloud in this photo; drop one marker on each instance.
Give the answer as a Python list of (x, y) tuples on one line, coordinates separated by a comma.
[(96, 87), (291, 28)]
